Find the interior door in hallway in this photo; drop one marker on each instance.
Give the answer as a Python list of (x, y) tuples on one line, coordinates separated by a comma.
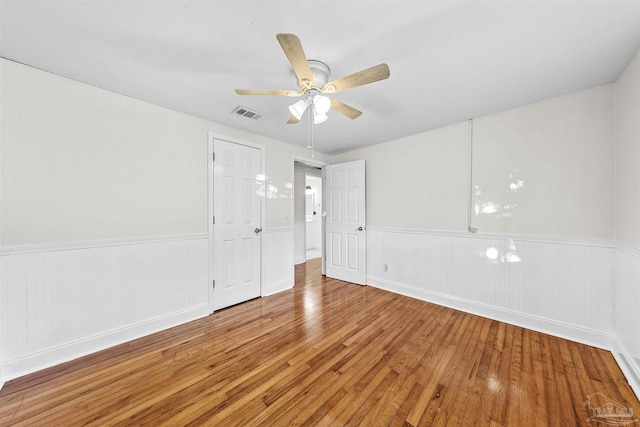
[(346, 221), (237, 229)]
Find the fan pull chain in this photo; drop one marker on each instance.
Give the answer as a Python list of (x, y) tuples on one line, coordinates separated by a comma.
[(310, 127)]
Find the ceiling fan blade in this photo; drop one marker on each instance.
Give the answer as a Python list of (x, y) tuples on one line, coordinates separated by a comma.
[(292, 120), (291, 93), (345, 109), (292, 47), (370, 75)]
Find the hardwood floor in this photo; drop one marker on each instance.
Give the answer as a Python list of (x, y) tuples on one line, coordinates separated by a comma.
[(326, 353)]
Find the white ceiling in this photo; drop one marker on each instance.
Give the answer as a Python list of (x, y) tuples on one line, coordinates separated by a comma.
[(449, 60)]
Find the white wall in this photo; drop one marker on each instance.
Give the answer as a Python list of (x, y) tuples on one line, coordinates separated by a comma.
[(627, 176), (626, 291), (79, 163), (420, 181), (557, 286), (103, 217), (546, 169)]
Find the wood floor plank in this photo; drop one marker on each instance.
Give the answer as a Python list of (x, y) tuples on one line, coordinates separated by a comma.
[(469, 389), (427, 406), (451, 397), (325, 353), (400, 417)]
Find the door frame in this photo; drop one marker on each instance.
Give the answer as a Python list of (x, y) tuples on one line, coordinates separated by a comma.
[(315, 163), (211, 136)]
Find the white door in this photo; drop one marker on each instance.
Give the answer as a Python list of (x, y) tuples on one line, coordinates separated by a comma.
[(345, 221), (237, 229)]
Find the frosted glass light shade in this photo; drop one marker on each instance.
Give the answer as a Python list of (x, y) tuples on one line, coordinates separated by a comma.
[(321, 104), (298, 109), (319, 118)]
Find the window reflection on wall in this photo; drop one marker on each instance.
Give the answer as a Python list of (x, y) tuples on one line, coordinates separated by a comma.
[(484, 204), (507, 255)]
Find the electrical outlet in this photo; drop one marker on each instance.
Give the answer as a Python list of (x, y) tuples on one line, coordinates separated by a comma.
[(385, 267)]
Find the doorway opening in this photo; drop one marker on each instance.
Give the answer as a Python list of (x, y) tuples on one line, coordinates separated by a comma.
[(313, 215), (307, 212), (342, 218)]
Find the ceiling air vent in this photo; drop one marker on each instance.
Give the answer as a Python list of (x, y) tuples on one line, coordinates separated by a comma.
[(245, 112)]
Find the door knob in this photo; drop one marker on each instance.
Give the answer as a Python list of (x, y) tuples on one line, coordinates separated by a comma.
[(258, 230), (360, 228)]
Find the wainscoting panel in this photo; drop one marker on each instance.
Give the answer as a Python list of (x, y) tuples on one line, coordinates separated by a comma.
[(61, 302), (277, 256), (556, 286), (626, 313)]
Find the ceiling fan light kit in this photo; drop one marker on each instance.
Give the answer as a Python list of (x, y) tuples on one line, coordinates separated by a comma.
[(319, 104), (313, 81)]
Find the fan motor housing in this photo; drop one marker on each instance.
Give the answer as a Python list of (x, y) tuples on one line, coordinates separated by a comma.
[(320, 72)]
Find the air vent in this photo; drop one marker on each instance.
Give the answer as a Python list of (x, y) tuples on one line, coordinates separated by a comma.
[(245, 112)]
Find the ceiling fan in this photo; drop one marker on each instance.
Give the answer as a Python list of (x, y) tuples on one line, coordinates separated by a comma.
[(313, 83)]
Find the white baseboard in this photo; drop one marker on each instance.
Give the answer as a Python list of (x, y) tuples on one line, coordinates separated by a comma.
[(600, 339), (274, 288), (627, 364), (66, 352)]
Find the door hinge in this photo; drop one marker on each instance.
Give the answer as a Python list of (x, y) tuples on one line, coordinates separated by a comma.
[(214, 157), (214, 284), (214, 220)]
